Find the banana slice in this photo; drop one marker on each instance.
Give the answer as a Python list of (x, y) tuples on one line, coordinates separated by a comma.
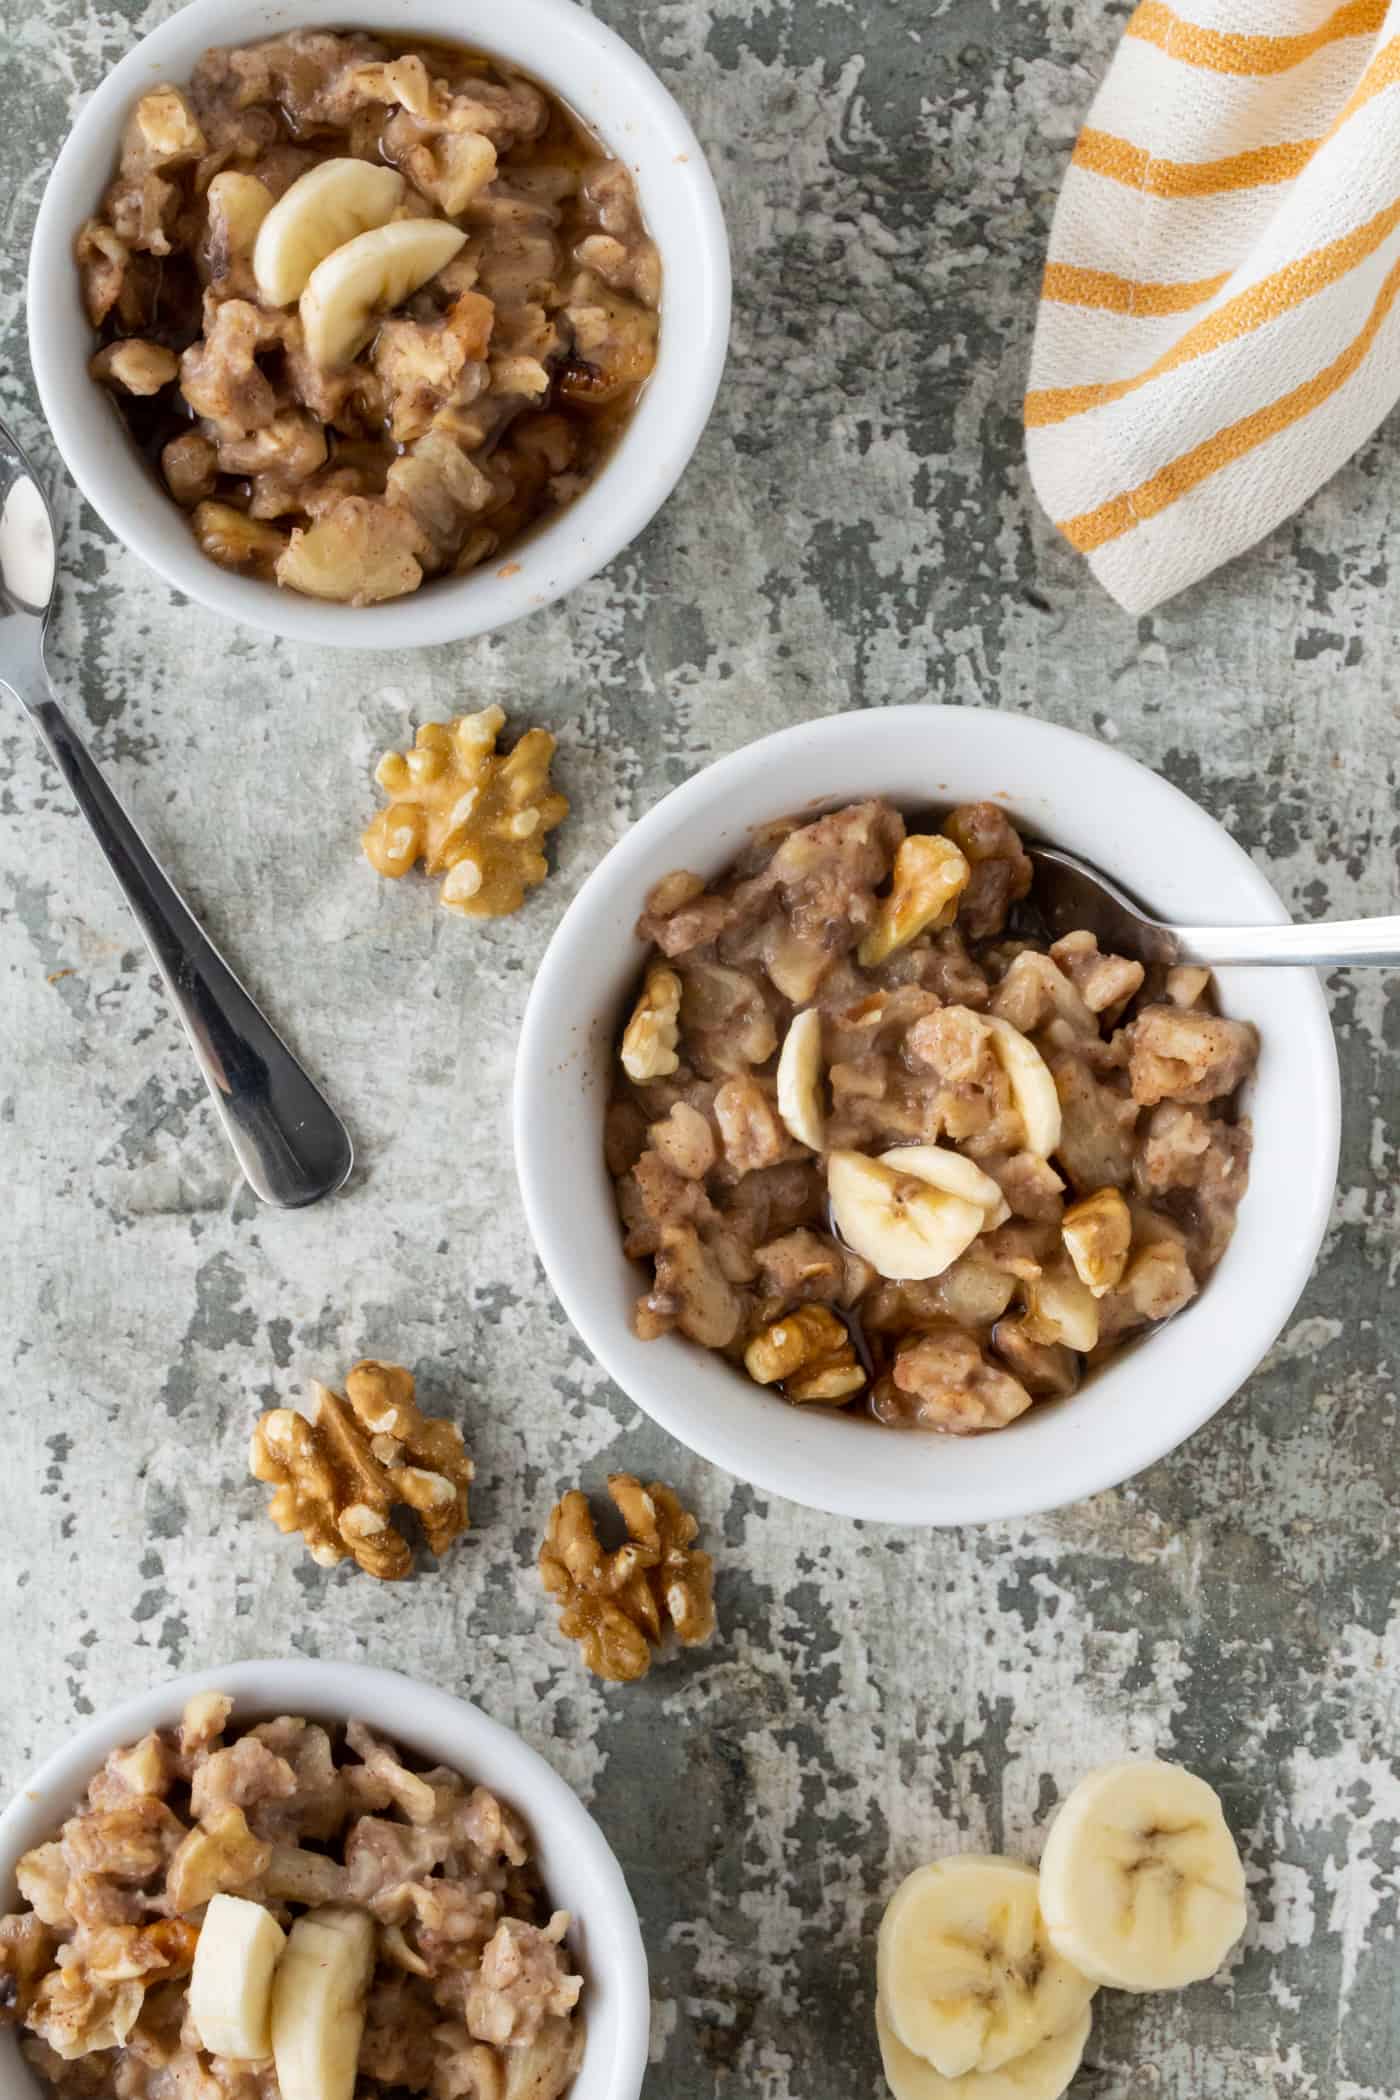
[(318, 2003), (323, 209), (231, 1981), (967, 1974), (901, 1223), (800, 1080), (1032, 1088), (1141, 1883), (1043, 2073), (945, 1169), (368, 275)]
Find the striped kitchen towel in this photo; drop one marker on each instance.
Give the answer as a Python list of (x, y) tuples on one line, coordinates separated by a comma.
[(1219, 326)]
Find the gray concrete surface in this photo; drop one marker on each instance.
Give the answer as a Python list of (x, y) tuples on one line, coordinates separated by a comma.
[(856, 531)]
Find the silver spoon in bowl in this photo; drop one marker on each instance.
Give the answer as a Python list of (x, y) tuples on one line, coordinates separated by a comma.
[(1069, 895), (288, 1140)]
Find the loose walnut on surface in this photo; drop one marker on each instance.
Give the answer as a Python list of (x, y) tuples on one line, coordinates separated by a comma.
[(339, 1474), (471, 814), (617, 1605)]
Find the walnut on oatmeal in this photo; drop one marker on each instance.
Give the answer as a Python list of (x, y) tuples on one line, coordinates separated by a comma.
[(406, 298), (472, 814), (340, 1473), (618, 1604), (468, 1991), (884, 1146)]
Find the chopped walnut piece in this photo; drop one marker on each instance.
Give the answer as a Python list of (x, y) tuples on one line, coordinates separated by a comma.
[(930, 874), (237, 205), (1001, 871), (27, 1947), (1186, 984), (617, 1605), (1098, 1233), (103, 260), (473, 815), (218, 1857), (137, 366), (166, 127), (236, 541), (943, 1381), (203, 1721), (190, 464), (649, 1039), (75, 2014), (523, 1980), (359, 553), (1181, 1054), (810, 1352), (339, 1474), (1104, 982)]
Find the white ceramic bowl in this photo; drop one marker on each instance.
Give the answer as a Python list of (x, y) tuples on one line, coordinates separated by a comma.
[(1078, 794), (619, 96), (574, 1858)]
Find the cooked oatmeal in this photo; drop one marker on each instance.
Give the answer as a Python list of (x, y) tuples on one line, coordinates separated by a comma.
[(469, 1991), (371, 307), (887, 1148)]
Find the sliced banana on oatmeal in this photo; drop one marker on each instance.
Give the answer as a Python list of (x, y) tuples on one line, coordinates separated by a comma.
[(967, 1974), (1043, 2073), (368, 275), (323, 209), (1141, 1882), (231, 1981), (318, 2003), (945, 1169), (800, 1080), (1032, 1088), (905, 1225)]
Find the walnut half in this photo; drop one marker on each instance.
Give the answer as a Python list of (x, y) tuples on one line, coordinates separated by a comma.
[(473, 815), (617, 1604), (810, 1351), (339, 1474)]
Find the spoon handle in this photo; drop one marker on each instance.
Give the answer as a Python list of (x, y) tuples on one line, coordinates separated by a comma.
[(1329, 945), (288, 1140)]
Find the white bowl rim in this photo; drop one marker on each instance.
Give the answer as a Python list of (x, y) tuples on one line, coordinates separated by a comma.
[(564, 47), (759, 1461), (395, 1705)]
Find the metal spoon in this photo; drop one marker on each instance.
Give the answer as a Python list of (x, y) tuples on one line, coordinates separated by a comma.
[(1070, 894), (290, 1143)]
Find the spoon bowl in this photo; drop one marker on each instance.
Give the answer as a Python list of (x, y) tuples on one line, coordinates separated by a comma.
[(1071, 895)]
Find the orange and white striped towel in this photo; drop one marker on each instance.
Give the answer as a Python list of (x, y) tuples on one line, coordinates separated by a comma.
[(1219, 325)]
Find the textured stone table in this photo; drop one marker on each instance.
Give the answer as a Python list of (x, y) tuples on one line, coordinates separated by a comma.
[(856, 531)]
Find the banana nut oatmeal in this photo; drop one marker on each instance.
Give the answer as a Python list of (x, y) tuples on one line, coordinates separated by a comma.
[(287, 1912), (888, 1149), (370, 306)]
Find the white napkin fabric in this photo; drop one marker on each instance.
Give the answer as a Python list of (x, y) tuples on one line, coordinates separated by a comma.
[(1219, 326)]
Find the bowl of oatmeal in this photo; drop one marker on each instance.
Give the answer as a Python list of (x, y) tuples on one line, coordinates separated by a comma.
[(878, 1195), (307, 1879), (379, 328)]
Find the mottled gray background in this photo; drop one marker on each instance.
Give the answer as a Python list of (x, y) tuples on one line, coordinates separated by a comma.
[(856, 531)]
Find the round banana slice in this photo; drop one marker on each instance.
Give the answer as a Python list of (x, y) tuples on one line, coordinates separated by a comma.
[(1043, 2073), (901, 1223), (800, 1080), (967, 1974), (368, 275), (323, 209), (1141, 1884), (318, 2003), (945, 1169), (1032, 1088), (231, 1981)]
